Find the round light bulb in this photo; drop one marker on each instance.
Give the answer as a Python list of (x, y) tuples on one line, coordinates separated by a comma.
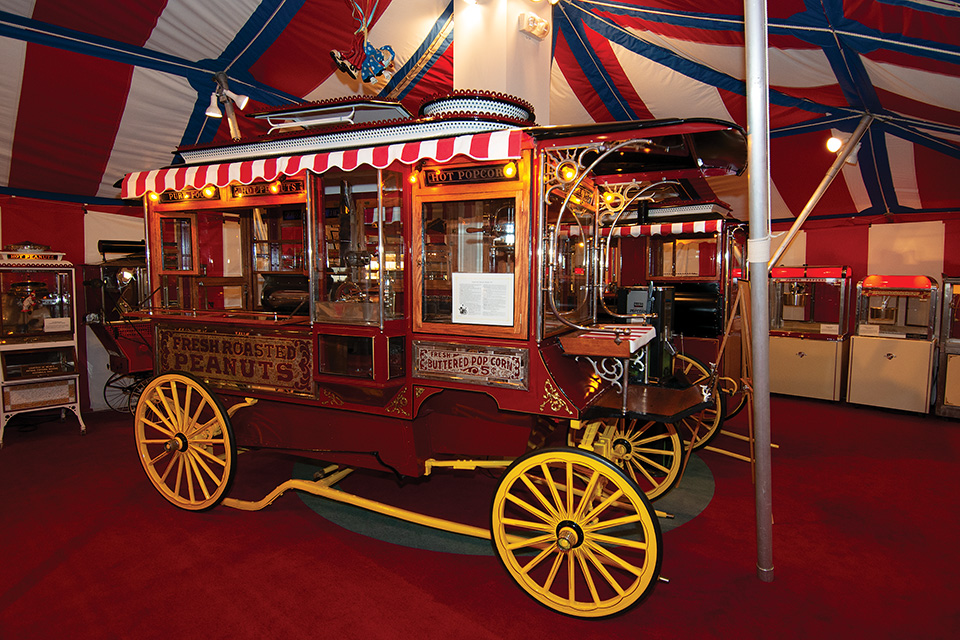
[(834, 144)]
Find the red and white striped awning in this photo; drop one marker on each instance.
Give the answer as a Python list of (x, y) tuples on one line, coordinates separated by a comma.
[(665, 229), (494, 145)]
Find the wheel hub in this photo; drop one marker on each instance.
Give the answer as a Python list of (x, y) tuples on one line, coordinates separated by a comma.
[(622, 449), (177, 443), (569, 535)]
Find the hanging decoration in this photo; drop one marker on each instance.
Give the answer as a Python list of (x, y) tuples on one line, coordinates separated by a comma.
[(364, 60)]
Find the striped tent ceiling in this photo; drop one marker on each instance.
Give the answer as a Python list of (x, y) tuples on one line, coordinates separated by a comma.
[(93, 90)]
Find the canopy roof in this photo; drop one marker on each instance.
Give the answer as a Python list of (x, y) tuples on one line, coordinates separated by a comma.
[(93, 90)]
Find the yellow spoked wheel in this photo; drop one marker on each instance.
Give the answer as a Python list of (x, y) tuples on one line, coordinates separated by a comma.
[(576, 533), (705, 424), (185, 441), (650, 453)]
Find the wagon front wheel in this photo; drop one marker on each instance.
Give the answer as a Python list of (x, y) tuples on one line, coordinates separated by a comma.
[(185, 441), (576, 533)]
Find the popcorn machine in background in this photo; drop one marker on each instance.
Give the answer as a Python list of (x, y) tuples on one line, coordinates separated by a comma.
[(809, 331), (893, 353)]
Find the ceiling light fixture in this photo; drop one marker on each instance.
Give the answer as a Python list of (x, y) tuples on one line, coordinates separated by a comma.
[(213, 111), (227, 98)]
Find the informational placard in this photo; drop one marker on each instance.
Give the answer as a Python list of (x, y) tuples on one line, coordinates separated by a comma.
[(483, 298), (53, 325)]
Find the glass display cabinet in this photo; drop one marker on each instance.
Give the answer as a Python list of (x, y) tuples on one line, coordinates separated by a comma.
[(38, 345), (948, 373), (809, 330), (892, 354)]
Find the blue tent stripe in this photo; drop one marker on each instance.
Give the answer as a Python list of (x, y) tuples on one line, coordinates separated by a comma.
[(401, 73), (596, 74), (687, 67)]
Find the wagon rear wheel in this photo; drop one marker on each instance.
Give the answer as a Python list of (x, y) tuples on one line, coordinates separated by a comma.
[(576, 533), (650, 453), (706, 423), (185, 441)]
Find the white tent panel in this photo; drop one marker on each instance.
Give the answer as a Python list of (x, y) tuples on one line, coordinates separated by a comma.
[(156, 114), (677, 96), (565, 108), (196, 31), (13, 53), (903, 172)]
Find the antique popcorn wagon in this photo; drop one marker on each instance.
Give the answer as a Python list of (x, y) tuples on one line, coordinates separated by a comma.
[(380, 290)]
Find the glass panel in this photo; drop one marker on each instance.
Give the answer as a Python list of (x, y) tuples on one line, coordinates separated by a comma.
[(354, 274), (806, 307), (683, 257), (346, 355), (571, 273), (38, 363), (464, 236), (397, 346), (176, 239), (36, 302)]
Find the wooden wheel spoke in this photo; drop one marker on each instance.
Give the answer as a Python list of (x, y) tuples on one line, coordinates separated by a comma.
[(164, 431), (535, 542), (175, 399), (600, 508), (551, 509), (180, 465), (196, 418), (202, 451), (554, 570), (200, 465), (530, 566), (613, 541), (602, 570), (170, 413), (587, 574), (659, 437), (166, 472), (594, 527), (527, 524), (193, 478), (644, 461), (587, 497), (615, 559), (526, 506), (548, 478), (164, 418)]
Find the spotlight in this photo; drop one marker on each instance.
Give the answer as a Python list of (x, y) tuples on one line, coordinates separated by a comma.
[(834, 144), (239, 99), (213, 111)]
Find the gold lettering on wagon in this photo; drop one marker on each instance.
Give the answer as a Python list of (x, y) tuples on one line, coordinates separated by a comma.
[(269, 362)]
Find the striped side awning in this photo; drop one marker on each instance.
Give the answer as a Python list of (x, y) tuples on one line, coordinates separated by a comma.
[(496, 145), (664, 229)]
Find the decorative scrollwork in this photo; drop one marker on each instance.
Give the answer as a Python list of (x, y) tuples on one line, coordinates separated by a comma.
[(552, 399), (609, 369), (399, 403), (329, 397)]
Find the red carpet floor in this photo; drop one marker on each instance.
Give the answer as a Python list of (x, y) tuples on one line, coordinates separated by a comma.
[(865, 508)]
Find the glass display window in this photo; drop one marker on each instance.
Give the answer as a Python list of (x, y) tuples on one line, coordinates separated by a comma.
[(360, 271), (897, 307), (470, 275), (36, 303), (694, 257)]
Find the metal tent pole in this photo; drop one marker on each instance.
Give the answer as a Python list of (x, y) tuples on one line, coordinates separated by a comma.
[(758, 253)]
